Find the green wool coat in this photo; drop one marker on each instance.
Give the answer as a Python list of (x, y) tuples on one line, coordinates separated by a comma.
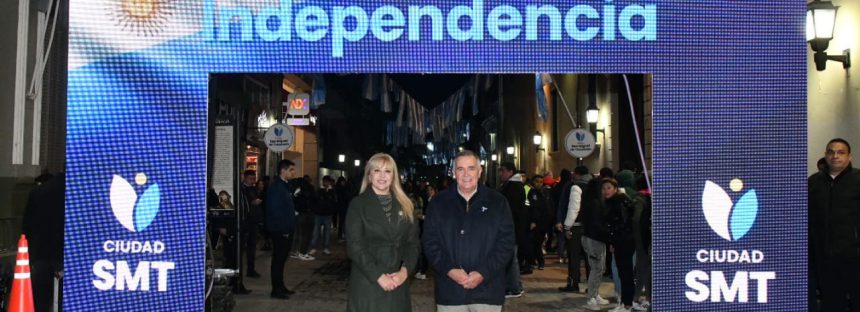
[(377, 246)]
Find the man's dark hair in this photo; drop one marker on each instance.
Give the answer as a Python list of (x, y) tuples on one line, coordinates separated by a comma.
[(509, 166), (564, 176), (840, 140), (822, 164), (581, 170), (285, 164), (249, 173), (328, 179), (536, 178), (606, 173)]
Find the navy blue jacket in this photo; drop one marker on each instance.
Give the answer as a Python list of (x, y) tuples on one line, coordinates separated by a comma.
[(280, 209), (481, 240)]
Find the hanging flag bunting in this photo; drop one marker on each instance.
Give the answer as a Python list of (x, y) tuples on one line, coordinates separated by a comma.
[(461, 101), (385, 104), (475, 82), (370, 88), (488, 82), (540, 97), (403, 99), (413, 115), (319, 93)]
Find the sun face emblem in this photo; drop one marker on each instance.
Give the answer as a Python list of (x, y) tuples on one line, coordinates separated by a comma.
[(142, 17)]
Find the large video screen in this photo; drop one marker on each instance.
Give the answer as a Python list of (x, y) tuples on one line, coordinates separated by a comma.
[(729, 124)]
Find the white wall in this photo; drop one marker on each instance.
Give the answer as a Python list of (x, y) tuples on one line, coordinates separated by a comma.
[(833, 103)]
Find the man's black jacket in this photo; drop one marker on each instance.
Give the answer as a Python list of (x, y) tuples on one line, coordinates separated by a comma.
[(834, 213), (280, 209), (515, 192), (481, 240)]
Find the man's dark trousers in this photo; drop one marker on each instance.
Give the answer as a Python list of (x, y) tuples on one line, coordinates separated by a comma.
[(249, 235), (574, 255), (838, 276), (281, 245)]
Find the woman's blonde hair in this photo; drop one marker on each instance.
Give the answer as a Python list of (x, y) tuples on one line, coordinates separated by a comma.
[(382, 160)]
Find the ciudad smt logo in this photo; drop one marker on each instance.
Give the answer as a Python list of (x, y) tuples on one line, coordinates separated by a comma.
[(731, 221), (135, 213)]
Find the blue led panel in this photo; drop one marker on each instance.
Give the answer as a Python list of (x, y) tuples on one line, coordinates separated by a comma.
[(729, 124)]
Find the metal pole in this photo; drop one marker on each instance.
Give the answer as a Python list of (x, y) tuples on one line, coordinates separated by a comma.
[(239, 196), (636, 129), (561, 96), (56, 300)]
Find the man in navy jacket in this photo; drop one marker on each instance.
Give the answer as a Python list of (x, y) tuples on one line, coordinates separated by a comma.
[(469, 240), (281, 223)]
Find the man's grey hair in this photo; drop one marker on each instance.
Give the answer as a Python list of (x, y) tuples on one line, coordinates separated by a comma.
[(466, 153)]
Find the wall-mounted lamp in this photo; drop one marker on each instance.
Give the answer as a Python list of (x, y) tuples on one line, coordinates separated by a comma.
[(537, 139), (591, 114), (494, 157), (483, 162), (430, 146), (357, 162), (341, 158), (510, 150), (820, 21)]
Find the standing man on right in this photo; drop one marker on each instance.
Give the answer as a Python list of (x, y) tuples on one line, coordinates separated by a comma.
[(281, 224), (834, 213), (570, 222), (469, 240), (514, 191)]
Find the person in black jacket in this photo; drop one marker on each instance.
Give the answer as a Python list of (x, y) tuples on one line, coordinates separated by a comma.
[(323, 211), (469, 241), (344, 196), (619, 222), (834, 216), (514, 191), (557, 198), (281, 223), (252, 214), (43, 226), (569, 216), (305, 199), (594, 239), (539, 203)]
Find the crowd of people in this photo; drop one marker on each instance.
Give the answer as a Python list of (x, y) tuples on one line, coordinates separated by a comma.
[(396, 229), (603, 221), (316, 215)]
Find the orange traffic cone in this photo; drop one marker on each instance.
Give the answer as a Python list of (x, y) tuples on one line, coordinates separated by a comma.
[(21, 298)]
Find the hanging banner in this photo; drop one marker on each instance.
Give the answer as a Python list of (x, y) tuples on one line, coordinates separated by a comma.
[(223, 171)]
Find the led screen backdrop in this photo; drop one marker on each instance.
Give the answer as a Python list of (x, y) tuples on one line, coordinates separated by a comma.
[(729, 124)]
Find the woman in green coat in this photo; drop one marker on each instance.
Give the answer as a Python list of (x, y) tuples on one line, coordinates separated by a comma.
[(382, 241)]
